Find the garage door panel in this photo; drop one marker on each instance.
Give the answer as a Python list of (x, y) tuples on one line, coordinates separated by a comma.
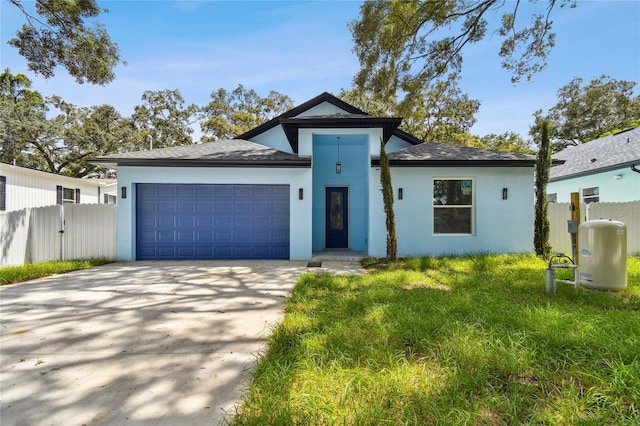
[(212, 221)]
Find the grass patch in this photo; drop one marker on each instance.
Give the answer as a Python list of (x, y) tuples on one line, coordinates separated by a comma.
[(471, 340), (30, 271)]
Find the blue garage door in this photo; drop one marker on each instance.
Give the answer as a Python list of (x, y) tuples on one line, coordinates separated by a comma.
[(212, 221)]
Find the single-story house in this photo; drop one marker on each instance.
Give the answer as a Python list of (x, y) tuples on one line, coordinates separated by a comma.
[(603, 170), (308, 181), (21, 187)]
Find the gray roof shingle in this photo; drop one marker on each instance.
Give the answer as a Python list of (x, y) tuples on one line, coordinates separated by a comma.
[(441, 154), (236, 152), (608, 153)]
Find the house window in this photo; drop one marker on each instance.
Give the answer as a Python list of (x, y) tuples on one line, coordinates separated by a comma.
[(591, 195), (110, 199), (3, 193), (453, 206), (67, 195), (552, 198)]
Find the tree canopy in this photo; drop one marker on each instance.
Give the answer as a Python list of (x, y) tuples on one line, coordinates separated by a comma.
[(585, 112), (230, 114), (440, 113), (65, 33), (403, 46), (165, 119)]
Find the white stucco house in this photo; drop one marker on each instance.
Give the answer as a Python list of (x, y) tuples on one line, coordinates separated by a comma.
[(308, 181), (21, 187), (603, 170)]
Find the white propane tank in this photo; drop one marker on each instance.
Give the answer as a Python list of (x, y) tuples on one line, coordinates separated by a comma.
[(603, 254)]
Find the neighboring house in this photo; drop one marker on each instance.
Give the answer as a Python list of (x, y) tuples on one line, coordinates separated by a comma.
[(21, 187), (308, 181), (603, 170), (109, 189)]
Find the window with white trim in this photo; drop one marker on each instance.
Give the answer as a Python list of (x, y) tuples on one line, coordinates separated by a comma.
[(591, 195), (453, 206), (110, 199), (552, 198), (67, 195)]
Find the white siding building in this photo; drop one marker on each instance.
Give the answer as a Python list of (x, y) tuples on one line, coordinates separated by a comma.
[(21, 187)]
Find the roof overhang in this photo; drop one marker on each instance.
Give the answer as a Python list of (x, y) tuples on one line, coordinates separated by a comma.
[(375, 162), (620, 166), (291, 126), (128, 162)]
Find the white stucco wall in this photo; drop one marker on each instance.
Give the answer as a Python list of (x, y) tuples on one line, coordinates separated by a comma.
[(300, 210), (615, 186), (500, 226)]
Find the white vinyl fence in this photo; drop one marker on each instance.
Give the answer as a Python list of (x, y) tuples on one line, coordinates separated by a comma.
[(34, 234), (627, 213)]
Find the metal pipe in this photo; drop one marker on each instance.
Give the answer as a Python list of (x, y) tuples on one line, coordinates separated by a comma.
[(633, 167)]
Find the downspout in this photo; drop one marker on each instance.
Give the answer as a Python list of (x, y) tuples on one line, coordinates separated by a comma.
[(633, 167)]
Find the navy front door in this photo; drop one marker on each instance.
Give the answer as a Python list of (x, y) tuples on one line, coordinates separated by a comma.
[(337, 217)]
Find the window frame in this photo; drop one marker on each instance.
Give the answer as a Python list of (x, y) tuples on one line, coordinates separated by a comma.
[(110, 199), (471, 207), (552, 197), (591, 198)]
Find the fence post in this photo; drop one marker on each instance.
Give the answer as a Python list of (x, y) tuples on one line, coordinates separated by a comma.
[(62, 231), (575, 215)]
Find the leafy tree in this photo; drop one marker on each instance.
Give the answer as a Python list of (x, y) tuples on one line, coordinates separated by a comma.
[(543, 166), (387, 197), (508, 141), (60, 144), (584, 113), (230, 114), (441, 113), (65, 33), (91, 132), (165, 119), (24, 128), (404, 45)]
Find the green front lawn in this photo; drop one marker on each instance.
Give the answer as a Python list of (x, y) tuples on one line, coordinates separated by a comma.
[(470, 340), (31, 271)]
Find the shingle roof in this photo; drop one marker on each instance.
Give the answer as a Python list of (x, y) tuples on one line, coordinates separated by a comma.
[(441, 154), (608, 153), (228, 153)]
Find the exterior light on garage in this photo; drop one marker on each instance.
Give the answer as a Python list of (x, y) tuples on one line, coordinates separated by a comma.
[(300, 193), (123, 192), (504, 193), (400, 193)]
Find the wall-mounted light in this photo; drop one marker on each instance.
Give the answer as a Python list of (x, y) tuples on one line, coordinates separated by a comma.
[(300, 193), (338, 163), (123, 192), (504, 193), (618, 177), (400, 193)]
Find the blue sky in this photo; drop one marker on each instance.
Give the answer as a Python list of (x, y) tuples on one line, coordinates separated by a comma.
[(304, 48)]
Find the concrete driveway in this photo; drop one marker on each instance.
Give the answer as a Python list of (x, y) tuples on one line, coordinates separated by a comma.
[(143, 343)]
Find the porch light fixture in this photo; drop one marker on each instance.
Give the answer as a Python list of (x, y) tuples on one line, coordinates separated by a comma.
[(400, 193), (123, 192), (504, 193), (300, 193), (338, 163)]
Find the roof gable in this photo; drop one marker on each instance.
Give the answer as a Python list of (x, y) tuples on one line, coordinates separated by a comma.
[(612, 152), (299, 110), (303, 116)]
